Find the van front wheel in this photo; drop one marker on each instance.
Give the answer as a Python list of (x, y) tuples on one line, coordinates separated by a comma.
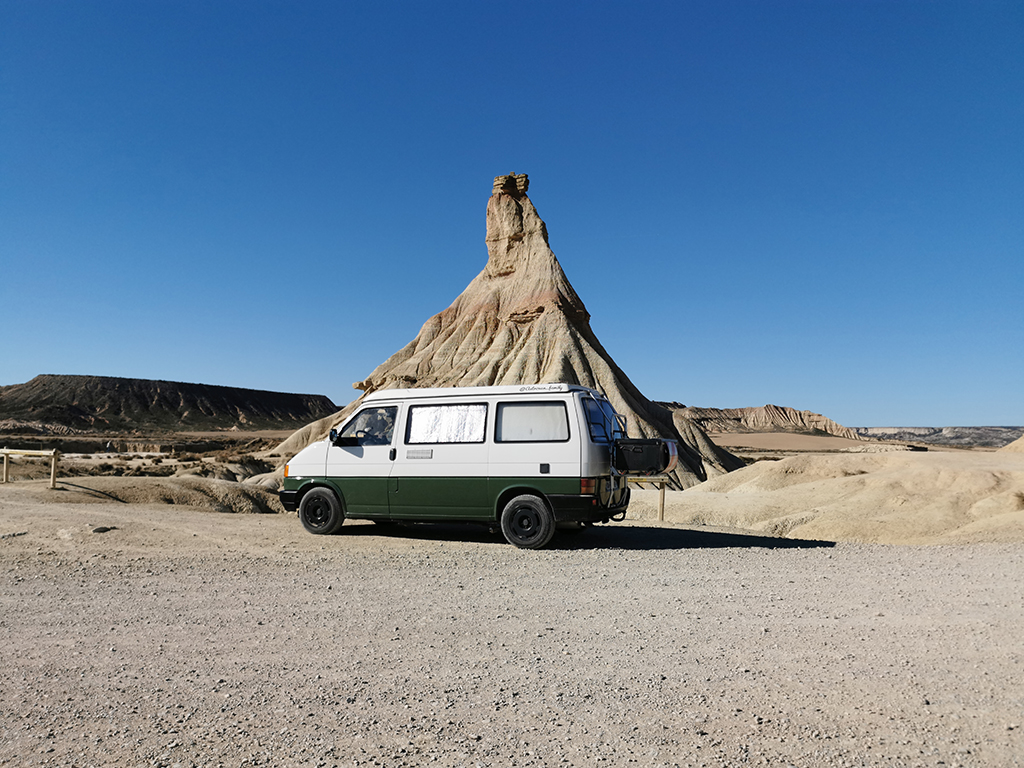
[(527, 522), (320, 512)]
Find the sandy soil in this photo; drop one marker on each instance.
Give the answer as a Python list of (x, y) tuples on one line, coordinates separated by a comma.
[(184, 637)]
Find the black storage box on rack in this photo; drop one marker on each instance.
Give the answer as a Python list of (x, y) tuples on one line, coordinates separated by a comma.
[(636, 456)]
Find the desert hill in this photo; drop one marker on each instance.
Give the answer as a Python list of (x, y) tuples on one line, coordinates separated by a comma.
[(521, 322), (882, 498), (766, 418), (1017, 446), (67, 404)]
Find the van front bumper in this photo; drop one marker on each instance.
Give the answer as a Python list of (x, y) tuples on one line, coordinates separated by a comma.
[(289, 499)]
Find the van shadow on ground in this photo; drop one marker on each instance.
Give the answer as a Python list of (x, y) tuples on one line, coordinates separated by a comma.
[(631, 537), (89, 492)]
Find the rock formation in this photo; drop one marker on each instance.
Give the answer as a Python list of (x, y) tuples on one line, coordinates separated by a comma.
[(520, 322), (766, 418)]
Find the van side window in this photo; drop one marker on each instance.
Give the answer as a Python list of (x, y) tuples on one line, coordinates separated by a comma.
[(601, 417), (615, 423), (531, 423), (596, 419), (434, 424), (373, 426)]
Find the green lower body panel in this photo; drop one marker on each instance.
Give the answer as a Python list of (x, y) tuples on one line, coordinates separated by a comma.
[(362, 496), (434, 498), (451, 498)]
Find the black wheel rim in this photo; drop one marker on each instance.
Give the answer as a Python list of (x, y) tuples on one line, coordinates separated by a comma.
[(318, 512), (526, 523)]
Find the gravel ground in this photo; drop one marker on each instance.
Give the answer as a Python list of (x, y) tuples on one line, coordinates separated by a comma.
[(188, 638)]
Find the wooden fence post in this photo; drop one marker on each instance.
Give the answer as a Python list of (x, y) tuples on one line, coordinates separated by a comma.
[(54, 458), (659, 480)]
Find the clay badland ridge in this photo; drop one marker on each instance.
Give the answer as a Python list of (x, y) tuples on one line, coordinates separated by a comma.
[(963, 437), (780, 418), (62, 403), (521, 322), (765, 418)]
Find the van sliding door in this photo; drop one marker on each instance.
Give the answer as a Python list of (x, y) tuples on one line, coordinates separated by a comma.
[(440, 470)]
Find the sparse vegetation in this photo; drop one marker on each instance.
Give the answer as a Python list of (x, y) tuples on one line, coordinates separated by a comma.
[(231, 457)]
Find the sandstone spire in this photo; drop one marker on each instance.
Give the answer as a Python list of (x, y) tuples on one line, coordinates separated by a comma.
[(520, 322)]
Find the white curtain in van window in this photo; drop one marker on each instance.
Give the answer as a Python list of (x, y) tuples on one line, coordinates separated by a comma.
[(532, 422), (447, 423)]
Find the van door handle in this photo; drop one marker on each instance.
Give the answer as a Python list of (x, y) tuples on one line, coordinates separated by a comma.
[(391, 454)]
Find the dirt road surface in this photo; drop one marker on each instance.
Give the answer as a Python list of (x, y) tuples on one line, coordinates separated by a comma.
[(179, 637)]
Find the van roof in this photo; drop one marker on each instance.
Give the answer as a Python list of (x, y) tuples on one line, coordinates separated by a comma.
[(505, 390)]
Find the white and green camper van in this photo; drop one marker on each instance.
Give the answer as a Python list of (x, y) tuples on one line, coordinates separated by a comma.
[(527, 458)]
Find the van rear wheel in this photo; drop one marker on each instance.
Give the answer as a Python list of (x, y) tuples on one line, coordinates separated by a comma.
[(527, 523), (320, 512)]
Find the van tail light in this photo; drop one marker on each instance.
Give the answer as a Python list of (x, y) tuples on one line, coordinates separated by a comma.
[(588, 485)]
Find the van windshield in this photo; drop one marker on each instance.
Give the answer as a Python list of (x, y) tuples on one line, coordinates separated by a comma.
[(603, 421), (372, 426)]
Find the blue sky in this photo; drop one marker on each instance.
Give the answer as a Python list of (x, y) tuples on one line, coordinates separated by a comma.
[(813, 204)]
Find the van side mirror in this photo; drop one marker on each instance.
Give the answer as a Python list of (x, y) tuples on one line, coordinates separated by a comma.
[(343, 442)]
